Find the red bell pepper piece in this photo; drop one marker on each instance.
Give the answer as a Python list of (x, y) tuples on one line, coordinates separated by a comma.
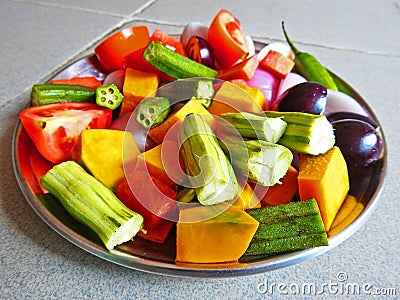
[(136, 61), (167, 40), (244, 70), (112, 50), (149, 197), (157, 234)]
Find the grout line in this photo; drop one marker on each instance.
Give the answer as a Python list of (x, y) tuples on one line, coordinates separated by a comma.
[(397, 6), (77, 8), (328, 47)]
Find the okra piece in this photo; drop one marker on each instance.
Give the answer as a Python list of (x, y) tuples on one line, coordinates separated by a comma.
[(152, 111), (185, 89), (205, 92), (305, 133), (261, 162), (53, 93), (174, 64), (285, 245), (93, 204), (252, 126), (209, 170), (109, 96), (287, 227)]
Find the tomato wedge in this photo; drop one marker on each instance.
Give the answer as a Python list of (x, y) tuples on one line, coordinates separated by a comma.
[(55, 128), (112, 50), (227, 39)]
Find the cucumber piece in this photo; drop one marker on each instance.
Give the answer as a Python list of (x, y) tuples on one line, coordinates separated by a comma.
[(209, 170), (93, 204), (252, 126), (53, 93), (173, 64), (305, 133)]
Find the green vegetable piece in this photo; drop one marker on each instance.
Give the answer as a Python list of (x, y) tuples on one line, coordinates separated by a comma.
[(280, 213), (287, 227), (186, 195), (209, 170), (305, 133), (109, 96), (93, 204), (54, 93), (256, 127), (205, 92), (187, 88), (261, 162), (308, 66), (285, 245), (152, 111), (174, 64)]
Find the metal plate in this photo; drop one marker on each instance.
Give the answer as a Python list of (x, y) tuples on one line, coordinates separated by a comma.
[(155, 258)]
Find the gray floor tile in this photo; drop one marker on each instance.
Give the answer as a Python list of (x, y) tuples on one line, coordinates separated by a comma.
[(42, 38), (358, 24), (115, 7)]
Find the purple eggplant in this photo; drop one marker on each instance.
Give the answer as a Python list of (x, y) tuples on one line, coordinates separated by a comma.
[(345, 115), (359, 142), (307, 97)]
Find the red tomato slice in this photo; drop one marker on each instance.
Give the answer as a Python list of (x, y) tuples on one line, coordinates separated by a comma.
[(112, 50), (55, 128), (227, 39)]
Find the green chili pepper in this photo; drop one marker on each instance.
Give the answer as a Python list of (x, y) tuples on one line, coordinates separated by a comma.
[(109, 96), (152, 111), (308, 66)]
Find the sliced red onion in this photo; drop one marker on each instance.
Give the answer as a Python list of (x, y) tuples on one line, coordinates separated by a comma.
[(341, 102), (289, 81), (194, 28), (267, 83), (117, 77), (278, 47)]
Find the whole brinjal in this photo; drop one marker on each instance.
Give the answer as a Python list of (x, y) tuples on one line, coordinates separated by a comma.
[(359, 142), (307, 97)]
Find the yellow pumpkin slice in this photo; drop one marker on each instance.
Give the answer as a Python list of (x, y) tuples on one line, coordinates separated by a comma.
[(213, 234), (103, 152), (325, 178)]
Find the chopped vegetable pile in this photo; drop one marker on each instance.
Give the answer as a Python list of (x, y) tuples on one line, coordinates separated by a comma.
[(201, 135)]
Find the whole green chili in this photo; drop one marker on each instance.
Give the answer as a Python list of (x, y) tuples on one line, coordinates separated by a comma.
[(308, 66)]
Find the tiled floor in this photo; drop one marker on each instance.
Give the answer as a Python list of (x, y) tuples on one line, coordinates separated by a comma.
[(359, 40)]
